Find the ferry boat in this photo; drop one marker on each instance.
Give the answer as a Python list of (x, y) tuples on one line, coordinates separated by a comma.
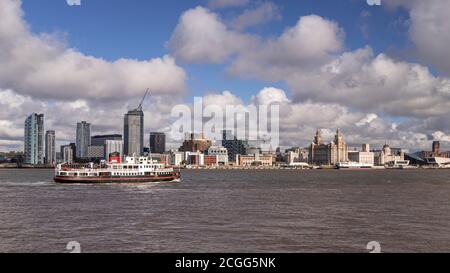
[(133, 170), (353, 165)]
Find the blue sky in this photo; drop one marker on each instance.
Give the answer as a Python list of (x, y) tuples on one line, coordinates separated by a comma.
[(140, 29)]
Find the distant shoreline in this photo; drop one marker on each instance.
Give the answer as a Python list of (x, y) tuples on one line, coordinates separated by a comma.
[(244, 169), (25, 168)]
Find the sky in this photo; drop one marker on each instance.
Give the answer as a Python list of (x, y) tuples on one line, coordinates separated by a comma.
[(380, 73)]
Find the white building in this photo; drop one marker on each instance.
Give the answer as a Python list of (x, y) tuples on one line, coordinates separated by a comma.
[(176, 158), (96, 151), (34, 139), (221, 153), (83, 140), (386, 157), (363, 157), (254, 160), (194, 158), (68, 154), (50, 151), (113, 146), (296, 155)]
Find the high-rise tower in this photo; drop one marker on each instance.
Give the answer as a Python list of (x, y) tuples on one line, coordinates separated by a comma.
[(133, 131), (83, 139), (34, 139)]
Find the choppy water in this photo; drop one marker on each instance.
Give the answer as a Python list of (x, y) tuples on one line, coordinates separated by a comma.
[(230, 211)]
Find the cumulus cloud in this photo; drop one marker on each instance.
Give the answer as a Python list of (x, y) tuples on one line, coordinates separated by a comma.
[(222, 99), (269, 95), (42, 66), (429, 30), (263, 13), (441, 136), (40, 73), (311, 42), (300, 120), (380, 84), (62, 116), (201, 37), (359, 86)]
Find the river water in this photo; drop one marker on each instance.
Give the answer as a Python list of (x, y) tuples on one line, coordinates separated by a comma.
[(230, 211)]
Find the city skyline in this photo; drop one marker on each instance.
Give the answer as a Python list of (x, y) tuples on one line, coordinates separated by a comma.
[(378, 81), (84, 137)]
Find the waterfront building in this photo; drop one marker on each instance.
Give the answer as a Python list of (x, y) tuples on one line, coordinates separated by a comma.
[(110, 144), (435, 152), (194, 158), (296, 155), (58, 157), (252, 150), (195, 143), (96, 152), (160, 158), (113, 146), (50, 151), (68, 154), (365, 156), (157, 142), (388, 156), (210, 160), (134, 133), (233, 145), (176, 158), (433, 158), (100, 140), (34, 139), (255, 160), (328, 154), (221, 153), (83, 139)]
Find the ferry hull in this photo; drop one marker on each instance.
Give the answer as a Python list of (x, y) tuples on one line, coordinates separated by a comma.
[(116, 180)]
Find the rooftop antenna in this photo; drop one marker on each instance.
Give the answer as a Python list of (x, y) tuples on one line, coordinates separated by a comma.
[(140, 104)]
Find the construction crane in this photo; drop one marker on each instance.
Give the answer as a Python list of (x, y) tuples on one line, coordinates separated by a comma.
[(140, 104)]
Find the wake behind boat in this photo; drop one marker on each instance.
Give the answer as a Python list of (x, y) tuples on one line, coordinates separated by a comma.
[(133, 170)]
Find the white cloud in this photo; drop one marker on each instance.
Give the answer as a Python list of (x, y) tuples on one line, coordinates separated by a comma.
[(367, 120), (429, 30), (352, 89), (201, 37), (223, 99), (263, 13), (43, 67), (269, 95), (62, 116), (379, 84), (311, 42), (441, 136), (40, 73)]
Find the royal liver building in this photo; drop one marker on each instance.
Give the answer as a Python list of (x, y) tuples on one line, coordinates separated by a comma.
[(328, 154)]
